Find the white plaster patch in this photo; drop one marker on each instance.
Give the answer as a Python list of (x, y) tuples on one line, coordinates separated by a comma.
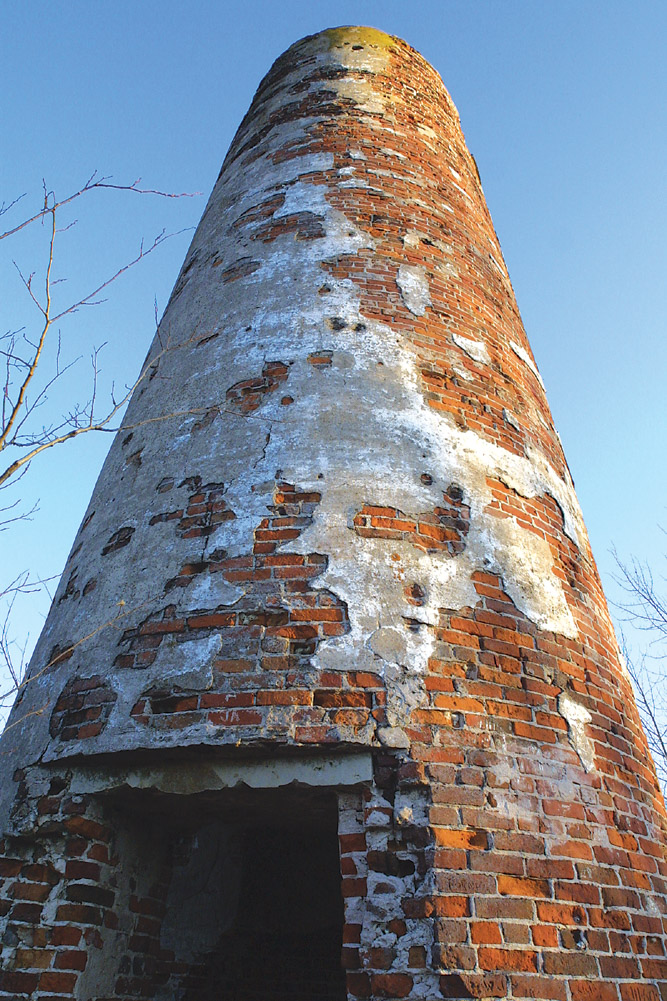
[(394, 736), (448, 268), (527, 360), (393, 152), (576, 717), (367, 56), (414, 237), (390, 644), (511, 419), (413, 284), (463, 191), (362, 92), (463, 373), (426, 130), (300, 197), (207, 591), (495, 263), (188, 665), (532, 584), (358, 182), (477, 350)]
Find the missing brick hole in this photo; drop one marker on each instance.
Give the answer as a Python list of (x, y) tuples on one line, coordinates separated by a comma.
[(207, 339), (87, 520), (119, 540), (320, 359)]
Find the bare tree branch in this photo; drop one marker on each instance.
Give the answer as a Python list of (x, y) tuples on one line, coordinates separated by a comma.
[(92, 184), (19, 678), (26, 386), (16, 406), (91, 424), (32, 367), (645, 609)]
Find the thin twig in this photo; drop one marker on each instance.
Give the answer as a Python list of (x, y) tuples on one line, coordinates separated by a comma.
[(91, 185)]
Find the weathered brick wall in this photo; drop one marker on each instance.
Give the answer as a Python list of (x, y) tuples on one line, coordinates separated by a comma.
[(57, 897), (338, 515)]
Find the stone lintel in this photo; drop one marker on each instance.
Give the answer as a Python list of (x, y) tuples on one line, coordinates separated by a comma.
[(210, 775)]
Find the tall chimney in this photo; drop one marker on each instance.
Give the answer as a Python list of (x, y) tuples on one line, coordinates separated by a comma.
[(330, 671)]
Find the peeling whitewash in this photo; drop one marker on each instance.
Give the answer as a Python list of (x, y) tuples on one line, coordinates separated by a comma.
[(413, 284), (477, 350), (358, 432), (521, 353), (577, 716)]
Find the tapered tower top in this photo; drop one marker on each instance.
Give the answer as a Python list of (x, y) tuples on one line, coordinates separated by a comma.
[(336, 543)]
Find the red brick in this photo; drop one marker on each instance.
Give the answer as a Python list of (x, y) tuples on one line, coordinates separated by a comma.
[(52, 980), (485, 933), (391, 985), (71, 959), (64, 935), (18, 982), (522, 887), (508, 959), (587, 990), (539, 987), (475, 840)]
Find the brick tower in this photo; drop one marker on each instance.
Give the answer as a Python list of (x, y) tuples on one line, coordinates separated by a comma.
[(330, 671)]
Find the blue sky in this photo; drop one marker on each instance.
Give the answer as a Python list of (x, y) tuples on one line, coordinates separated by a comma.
[(563, 105)]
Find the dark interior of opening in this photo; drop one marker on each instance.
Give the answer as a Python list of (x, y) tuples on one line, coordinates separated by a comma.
[(254, 907), (285, 937)]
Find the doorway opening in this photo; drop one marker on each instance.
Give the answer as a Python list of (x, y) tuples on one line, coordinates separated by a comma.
[(253, 907)]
